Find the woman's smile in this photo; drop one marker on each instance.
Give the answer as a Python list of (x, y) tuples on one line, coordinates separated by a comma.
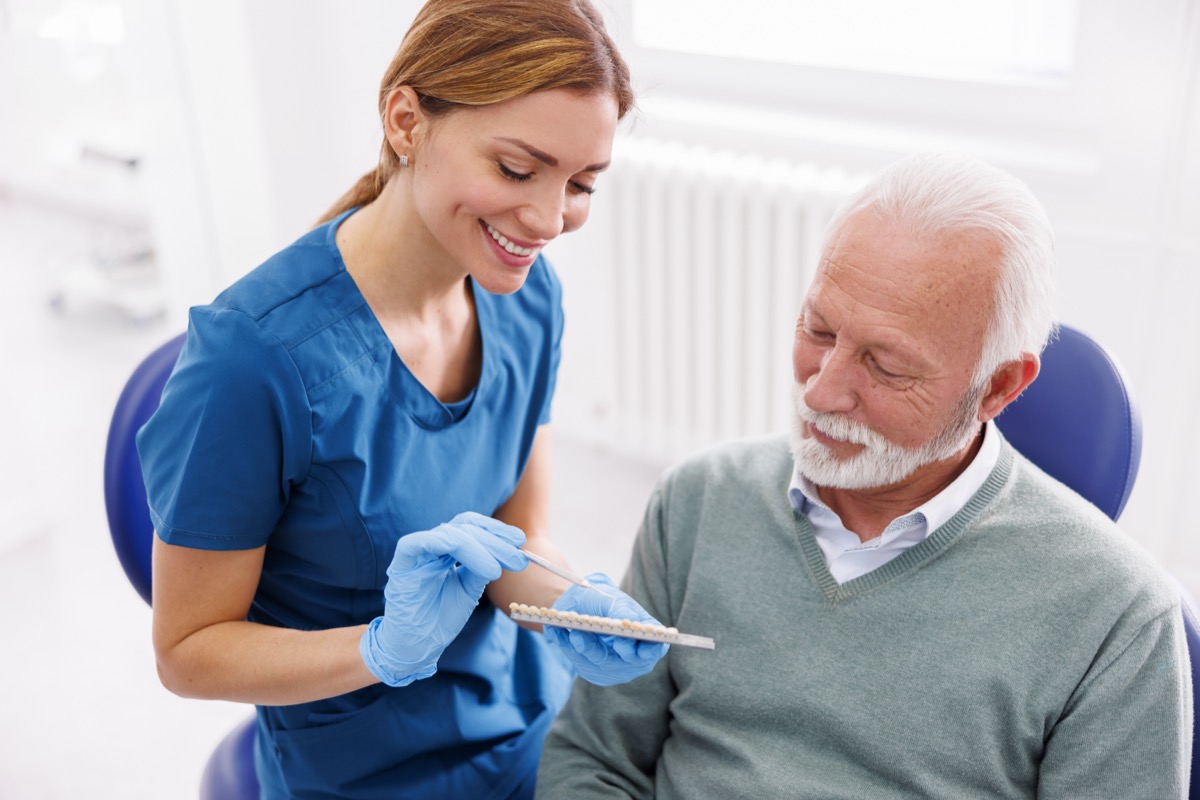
[(512, 251)]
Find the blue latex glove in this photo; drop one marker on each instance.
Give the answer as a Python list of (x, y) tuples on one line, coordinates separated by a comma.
[(434, 583), (603, 659)]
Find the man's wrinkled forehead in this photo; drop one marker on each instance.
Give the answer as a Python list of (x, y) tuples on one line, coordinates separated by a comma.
[(905, 290)]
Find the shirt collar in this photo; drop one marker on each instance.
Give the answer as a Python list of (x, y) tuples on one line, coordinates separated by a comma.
[(938, 509)]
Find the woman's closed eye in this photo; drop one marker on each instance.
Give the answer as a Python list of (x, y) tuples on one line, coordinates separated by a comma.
[(521, 177), (512, 174)]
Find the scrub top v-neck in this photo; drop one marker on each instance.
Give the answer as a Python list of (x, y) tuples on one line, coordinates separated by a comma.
[(291, 422)]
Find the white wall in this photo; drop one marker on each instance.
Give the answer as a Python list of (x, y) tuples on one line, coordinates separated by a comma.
[(261, 114)]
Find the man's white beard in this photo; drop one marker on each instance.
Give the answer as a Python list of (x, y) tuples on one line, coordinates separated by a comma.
[(880, 462)]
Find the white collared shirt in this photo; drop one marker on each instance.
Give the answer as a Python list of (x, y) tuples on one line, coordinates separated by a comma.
[(848, 557)]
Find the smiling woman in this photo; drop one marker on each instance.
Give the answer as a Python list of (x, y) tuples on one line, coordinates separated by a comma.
[(367, 451)]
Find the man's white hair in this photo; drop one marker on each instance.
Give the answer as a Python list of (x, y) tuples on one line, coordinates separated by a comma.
[(933, 194)]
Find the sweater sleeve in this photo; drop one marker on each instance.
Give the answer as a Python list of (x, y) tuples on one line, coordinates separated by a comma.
[(1127, 730), (607, 741)]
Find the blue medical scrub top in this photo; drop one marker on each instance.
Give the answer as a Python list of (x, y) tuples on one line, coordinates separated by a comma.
[(291, 422)]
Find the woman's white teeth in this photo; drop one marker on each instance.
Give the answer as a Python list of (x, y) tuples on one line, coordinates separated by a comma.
[(503, 241)]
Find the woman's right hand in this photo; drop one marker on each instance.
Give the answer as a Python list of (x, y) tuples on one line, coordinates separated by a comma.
[(434, 582)]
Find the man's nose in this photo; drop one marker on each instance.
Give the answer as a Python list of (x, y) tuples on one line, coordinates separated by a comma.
[(828, 384)]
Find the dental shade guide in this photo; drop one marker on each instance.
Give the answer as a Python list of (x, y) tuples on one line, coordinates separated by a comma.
[(607, 625)]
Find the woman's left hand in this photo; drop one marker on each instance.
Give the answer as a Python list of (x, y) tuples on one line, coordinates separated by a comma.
[(603, 659)]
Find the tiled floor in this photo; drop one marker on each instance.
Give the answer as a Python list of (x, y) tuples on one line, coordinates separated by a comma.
[(83, 713)]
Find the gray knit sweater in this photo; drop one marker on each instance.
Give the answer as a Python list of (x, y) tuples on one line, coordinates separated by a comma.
[(1025, 649)]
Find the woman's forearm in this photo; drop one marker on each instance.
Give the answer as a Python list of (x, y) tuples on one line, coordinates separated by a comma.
[(265, 665)]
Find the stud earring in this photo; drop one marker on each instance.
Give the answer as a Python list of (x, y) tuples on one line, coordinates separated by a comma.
[(404, 161)]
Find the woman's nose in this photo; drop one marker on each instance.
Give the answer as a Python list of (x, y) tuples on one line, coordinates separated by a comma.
[(545, 215)]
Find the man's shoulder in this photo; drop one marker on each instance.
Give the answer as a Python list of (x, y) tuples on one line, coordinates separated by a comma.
[(1040, 505), (741, 461), (1067, 536)]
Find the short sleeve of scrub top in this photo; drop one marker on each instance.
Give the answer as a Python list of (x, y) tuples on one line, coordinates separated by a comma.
[(236, 433), (291, 422)]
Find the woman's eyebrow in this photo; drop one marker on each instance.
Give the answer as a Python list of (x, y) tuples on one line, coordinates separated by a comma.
[(545, 157)]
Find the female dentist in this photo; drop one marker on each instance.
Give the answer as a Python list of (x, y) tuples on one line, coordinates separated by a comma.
[(354, 443)]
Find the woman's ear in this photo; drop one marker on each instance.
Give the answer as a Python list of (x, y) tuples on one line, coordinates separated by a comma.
[(1007, 383), (403, 120)]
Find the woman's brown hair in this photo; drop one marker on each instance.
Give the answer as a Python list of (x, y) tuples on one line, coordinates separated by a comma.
[(479, 52)]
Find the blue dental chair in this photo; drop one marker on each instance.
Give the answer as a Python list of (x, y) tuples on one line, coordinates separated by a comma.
[(229, 773), (1079, 423)]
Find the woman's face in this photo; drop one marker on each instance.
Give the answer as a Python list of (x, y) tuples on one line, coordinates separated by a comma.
[(493, 185)]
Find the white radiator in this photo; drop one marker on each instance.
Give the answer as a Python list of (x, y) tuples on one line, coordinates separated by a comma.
[(713, 251)]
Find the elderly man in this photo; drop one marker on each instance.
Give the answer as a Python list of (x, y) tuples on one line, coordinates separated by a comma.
[(903, 605)]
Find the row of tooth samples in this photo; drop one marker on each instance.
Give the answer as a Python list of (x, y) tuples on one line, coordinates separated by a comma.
[(550, 616)]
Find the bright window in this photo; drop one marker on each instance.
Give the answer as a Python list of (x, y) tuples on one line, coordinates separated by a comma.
[(994, 41)]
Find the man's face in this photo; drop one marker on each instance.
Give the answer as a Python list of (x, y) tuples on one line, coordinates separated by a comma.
[(885, 351)]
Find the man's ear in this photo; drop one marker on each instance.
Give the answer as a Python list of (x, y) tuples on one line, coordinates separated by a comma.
[(1007, 383), (403, 120)]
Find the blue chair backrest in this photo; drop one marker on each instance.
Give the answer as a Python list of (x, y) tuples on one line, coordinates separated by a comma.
[(124, 493), (1079, 423)]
